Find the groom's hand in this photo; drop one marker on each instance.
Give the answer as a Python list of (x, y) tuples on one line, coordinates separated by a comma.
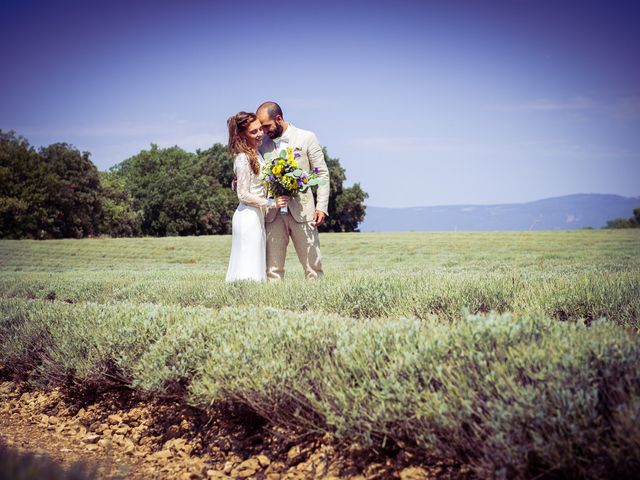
[(318, 218), (282, 201)]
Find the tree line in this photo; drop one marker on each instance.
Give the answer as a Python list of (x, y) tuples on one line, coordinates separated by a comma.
[(57, 192), (633, 222)]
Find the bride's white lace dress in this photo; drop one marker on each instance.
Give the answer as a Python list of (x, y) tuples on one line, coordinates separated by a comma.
[(248, 237)]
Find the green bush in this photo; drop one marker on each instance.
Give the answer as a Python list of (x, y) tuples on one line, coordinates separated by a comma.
[(90, 344), (24, 336), (614, 295), (513, 396)]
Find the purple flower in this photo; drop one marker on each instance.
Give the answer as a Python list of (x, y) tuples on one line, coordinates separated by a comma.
[(296, 155), (268, 178), (315, 169)]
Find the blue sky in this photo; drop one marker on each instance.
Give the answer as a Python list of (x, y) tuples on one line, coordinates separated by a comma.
[(425, 103)]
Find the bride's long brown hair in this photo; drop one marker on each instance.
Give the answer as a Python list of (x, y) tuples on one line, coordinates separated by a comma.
[(238, 124)]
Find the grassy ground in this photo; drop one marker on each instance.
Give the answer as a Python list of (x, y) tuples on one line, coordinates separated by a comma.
[(395, 345), (578, 274), (561, 252)]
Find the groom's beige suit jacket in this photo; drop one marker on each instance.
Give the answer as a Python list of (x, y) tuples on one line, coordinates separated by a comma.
[(302, 206)]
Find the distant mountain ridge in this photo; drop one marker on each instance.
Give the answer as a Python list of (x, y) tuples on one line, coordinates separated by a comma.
[(569, 212)]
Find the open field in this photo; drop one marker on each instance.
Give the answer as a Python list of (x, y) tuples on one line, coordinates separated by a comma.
[(512, 352), (585, 274)]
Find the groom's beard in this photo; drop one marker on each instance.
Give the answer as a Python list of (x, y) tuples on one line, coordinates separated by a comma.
[(277, 132)]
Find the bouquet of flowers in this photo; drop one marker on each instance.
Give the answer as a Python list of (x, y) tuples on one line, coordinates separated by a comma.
[(282, 176)]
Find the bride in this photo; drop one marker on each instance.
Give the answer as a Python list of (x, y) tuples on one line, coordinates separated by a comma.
[(248, 237)]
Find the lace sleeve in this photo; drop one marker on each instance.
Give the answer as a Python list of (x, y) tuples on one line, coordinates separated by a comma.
[(243, 172)]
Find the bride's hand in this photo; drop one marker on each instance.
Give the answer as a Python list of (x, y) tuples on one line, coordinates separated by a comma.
[(282, 201)]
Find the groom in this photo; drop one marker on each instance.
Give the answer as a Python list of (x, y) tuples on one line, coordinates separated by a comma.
[(301, 221)]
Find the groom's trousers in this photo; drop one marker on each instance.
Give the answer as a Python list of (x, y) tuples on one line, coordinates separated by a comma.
[(305, 239)]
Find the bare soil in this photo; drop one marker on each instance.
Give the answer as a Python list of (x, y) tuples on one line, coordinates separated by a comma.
[(125, 435)]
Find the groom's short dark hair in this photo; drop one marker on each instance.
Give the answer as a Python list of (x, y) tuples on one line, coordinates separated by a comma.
[(272, 108)]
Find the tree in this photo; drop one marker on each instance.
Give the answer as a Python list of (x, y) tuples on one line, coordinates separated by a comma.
[(346, 205), (52, 193), (18, 163), (633, 222), (72, 191), (57, 192), (120, 218), (216, 162), (179, 192), (350, 208)]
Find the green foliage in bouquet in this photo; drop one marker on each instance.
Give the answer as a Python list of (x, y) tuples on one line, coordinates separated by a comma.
[(283, 176)]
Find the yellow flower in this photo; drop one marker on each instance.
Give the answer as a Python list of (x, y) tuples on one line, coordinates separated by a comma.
[(277, 169)]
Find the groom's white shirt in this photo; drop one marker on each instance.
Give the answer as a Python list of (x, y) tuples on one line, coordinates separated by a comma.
[(283, 140)]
